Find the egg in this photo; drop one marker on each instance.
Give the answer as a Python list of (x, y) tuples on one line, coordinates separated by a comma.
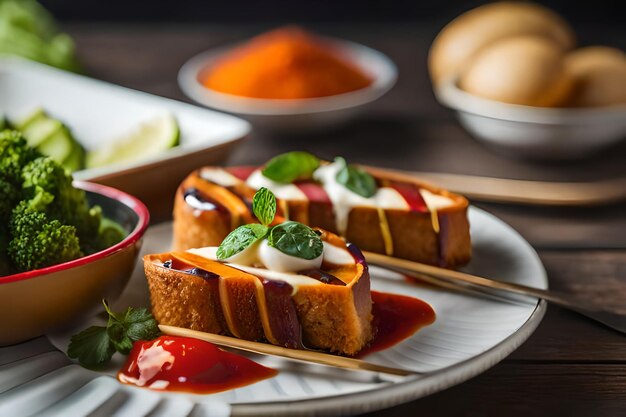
[(526, 70), (599, 74), (465, 36)]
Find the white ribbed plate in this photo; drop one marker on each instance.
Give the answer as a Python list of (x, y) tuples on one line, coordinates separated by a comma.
[(471, 334)]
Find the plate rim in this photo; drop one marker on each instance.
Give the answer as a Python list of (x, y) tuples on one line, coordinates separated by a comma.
[(403, 392), (411, 389)]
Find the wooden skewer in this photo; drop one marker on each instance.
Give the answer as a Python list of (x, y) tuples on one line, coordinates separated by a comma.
[(505, 190), (610, 317), (294, 354), (403, 265)]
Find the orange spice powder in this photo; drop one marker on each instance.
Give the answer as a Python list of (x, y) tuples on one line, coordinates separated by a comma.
[(286, 63)]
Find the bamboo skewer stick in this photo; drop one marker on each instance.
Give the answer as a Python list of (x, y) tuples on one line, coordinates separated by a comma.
[(612, 318), (293, 354), (504, 190)]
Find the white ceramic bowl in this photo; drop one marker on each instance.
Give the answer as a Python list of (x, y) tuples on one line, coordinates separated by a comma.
[(535, 132), (293, 114)]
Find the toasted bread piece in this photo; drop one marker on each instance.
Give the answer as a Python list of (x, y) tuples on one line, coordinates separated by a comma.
[(420, 233), (191, 291)]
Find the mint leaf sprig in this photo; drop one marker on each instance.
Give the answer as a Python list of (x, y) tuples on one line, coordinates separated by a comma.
[(291, 166), (95, 346), (291, 238), (264, 206), (356, 180)]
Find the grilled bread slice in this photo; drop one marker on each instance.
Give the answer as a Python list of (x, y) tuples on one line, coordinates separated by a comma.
[(414, 220), (328, 309)]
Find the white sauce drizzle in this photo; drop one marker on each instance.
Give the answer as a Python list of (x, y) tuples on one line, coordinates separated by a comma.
[(219, 176), (435, 201), (336, 255), (344, 200), (282, 191)]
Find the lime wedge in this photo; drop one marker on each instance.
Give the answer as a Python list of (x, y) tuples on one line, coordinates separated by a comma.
[(149, 139)]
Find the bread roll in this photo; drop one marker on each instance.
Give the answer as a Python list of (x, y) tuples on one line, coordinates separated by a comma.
[(526, 70), (599, 74), (466, 35)]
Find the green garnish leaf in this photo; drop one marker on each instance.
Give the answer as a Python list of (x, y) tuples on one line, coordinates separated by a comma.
[(141, 324), (356, 180), (240, 238), (264, 206), (291, 166), (134, 324), (92, 347), (296, 239), (96, 345)]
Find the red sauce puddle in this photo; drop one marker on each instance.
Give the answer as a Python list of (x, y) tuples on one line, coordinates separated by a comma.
[(396, 317), (172, 363)]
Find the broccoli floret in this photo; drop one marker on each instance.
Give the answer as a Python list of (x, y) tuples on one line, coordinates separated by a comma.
[(44, 220), (6, 266), (44, 176), (14, 155), (38, 242), (110, 233), (10, 195)]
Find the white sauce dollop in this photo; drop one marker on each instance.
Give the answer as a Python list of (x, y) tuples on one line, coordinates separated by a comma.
[(275, 260), (344, 200), (267, 262)]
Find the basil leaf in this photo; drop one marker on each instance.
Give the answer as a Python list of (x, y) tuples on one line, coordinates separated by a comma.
[(264, 206), (92, 347), (239, 239), (356, 180), (291, 166), (296, 239)]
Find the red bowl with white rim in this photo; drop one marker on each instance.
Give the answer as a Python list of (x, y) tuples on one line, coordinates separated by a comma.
[(37, 301)]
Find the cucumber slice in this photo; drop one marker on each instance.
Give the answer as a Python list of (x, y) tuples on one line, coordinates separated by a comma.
[(40, 130), (151, 138), (58, 146), (76, 159), (36, 114)]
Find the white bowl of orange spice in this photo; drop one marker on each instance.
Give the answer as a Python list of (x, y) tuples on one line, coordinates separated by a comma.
[(289, 79)]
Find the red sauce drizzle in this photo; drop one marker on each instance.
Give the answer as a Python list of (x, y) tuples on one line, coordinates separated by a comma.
[(313, 191), (172, 363), (242, 172), (396, 317), (411, 195)]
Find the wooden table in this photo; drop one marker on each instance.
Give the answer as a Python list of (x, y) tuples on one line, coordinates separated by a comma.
[(570, 366)]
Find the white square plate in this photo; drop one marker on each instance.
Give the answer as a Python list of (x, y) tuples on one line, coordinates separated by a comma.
[(96, 111)]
